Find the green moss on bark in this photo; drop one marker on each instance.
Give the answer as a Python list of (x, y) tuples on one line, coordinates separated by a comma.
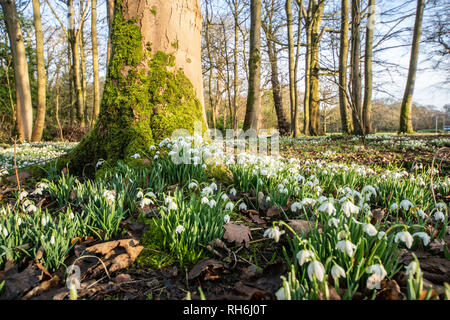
[(144, 100)]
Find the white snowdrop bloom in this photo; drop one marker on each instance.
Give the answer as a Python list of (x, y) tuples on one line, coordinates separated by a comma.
[(441, 206), (343, 199), (281, 294), (317, 270), (229, 206), (42, 185), (168, 200), (23, 195), (179, 229), (71, 215), (205, 200), (155, 157), (152, 147), (412, 268), (405, 237), (242, 206), (342, 234), (273, 233), (296, 206), (224, 197), (52, 240), (424, 236), (381, 235), (377, 269), (136, 156), (43, 221), (394, 207), (337, 272), (212, 203), (368, 191), (370, 229), (307, 201), (267, 199), (19, 222), (421, 214), (333, 222), (263, 172), (139, 195), (151, 194), (226, 218), (406, 205), (233, 192), (192, 185), (439, 216), (207, 191), (26, 203), (285, 191), (346, 246), (374, 282), (213, 186), (5, 231), (145, 202), (172, 206), (349, 208), (304, 256), (99, 163), (32, 208), (38, 191), (327, 207), (322, 199)]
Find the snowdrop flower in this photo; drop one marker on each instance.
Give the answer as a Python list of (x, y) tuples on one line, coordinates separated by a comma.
[(172, 206), (109, 196), (337, 272), (333, 222), (229, 206), (205, 200), (328, 208), (368, 191), (441, 206), (370, 229), (233, 192), (19, 222), (225, 197), (168, 200), (405, 237), (179, 229), (5, 232), (38, 191), (421, 214), (268, 199), (374, 282), (23, 195), (213, 186), (152, 147), (304, 256), (346, 246), (139, 195), (135, 156), (349, 208), (31, 208), (71, 215), (145, 202), (226, 218), (424, 236), (52, 240), (406, 205), (394, 207), (322, 199), (377, 269), (207, 191), (99, 163), (381, 235), (317, 270), (307, 201), (439, 216), (212, 203), (26, 203), (296, 206), (273, 233), (242, 206), (412, 268)]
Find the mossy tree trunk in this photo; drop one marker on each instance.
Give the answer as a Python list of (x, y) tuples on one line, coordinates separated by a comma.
[(368, 69), (406, 110), (153, 84)]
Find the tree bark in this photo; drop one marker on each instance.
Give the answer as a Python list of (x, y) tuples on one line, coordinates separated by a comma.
[(343, 58), (41, 75), (306, 106), (23, 92), (355, 69), (254, 65), (109, 17), (368, 76), (154, 81), (292, 93), (406, 109), (96, 96)]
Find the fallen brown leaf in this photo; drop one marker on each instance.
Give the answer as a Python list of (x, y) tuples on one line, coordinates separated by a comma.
[(237, 233)]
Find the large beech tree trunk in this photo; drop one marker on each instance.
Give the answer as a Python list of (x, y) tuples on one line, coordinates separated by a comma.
[(23, 92), (96, 97), (41, 76), (368, 67), (154, 81), (355, 69), (406, 110), (343, 58)]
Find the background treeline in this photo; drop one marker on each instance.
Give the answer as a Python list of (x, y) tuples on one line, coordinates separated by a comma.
[(302, 74)]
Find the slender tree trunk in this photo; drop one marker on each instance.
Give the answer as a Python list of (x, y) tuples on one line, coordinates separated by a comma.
[(41, 75), (292, 93), (343, 56), (96, 96), (306, 106), (109, 16), (314, 102), (23, 92), (406, 110), (210, 78), (355, 69), (236, 65), (254, 65), (83, 75), (154, 83), (297, 58), (368, 77)]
